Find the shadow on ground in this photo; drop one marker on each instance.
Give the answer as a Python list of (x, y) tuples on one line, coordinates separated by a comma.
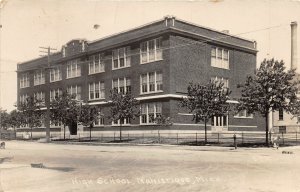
[(4, 159), (42, 166)]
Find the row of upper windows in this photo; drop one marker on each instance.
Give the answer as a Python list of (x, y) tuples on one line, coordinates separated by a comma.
[(151, 84), (121, 58)]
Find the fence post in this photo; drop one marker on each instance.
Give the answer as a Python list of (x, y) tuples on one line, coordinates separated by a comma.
[(143, 138), (243, 137), (296, 138), (234, 141), (128, 137), (282, 138), (218, 137), (79, 136), (101, 136), (158, 137), (177, 138), (114, 136), (196, 139)]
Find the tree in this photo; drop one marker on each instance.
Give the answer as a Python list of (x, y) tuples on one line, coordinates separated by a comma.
[(4, 119), (65, 110), (15, 119), (270, 89), (88, 116), (206, 101), (31, 112), (123, 106), (163, 121)]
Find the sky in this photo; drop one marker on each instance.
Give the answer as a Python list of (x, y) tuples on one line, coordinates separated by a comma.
[(27, 25)]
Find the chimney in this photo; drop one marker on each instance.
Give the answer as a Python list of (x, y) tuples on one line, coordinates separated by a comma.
[(294, 45)]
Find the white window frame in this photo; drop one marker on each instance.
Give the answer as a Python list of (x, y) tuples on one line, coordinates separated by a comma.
[(73, 66), (55, 124), (24, 80), (54, 92), (76, 91), (156, 105), (222, 62), (148, 83), (125, 80), (158, 55), (23, 98), (100, 120), (244, 115), (56, 71), (101, 91), (225, 81), (126, 56), (92, 64), (221, 120), (118, 124), (39, 77), (40, 96)]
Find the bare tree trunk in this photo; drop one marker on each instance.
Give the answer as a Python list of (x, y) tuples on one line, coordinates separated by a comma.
[(120, 131), (64, 132), (267, 129), (90, 133), (205, 129)]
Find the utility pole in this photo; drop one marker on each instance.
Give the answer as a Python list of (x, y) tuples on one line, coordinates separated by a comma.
[(47, 93)]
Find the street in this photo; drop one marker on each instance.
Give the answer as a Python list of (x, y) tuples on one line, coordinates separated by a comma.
[(32, 166)]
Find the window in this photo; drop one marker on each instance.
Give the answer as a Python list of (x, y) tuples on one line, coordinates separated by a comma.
[(280, 114), (151, 82), (39, 77), (150, 51), (220, 121), (55, 93), (122, 85), (96, 64), (220, 58), (121, 58), (125, 121), (56, 124), (73, 69), (149, 112), (243, 114), (40, 96), (75, 90), (100, 121), (23, 98), (55, 74), (24, 80), (128, 85), (221, 80), (96, 91)]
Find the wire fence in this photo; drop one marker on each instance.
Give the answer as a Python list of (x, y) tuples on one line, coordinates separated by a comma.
[(176, 138)]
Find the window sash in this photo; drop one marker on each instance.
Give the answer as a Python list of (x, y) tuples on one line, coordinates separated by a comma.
[(150, 50), (96, 90), (150, 111), (220, 58), (151, 82), (121, 57), (24, 80)]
